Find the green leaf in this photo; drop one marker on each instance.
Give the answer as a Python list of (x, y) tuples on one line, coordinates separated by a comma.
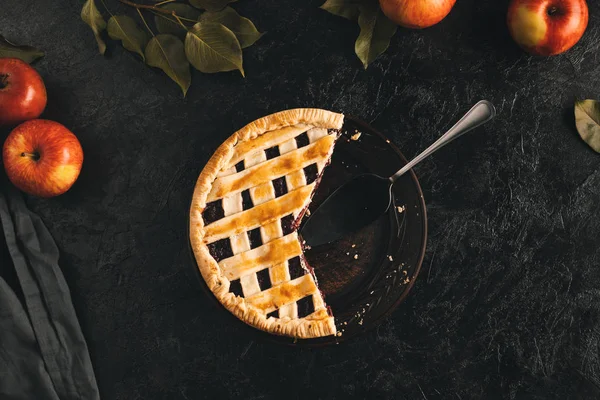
[(168, 24), (376, 30), (91, 16), (212, 47), (211, 5), (124, 28), (166, 52), (343, 8), (244, 29), (26, 53), (587, 120)]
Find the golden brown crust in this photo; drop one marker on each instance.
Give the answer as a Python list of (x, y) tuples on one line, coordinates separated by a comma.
[(262, 214), (315, 325), (271, 169), (272, 253)]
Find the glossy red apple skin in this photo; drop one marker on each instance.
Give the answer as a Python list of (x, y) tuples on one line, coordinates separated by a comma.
[(416, 14), (22, 92), (42, 157), (547, 27)]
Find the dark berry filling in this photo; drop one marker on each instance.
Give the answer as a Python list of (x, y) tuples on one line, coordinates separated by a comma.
[(302, 140), (213, 211), (272, 152), (239, 166), (305, 306), (280, 186), (298, 220), (264, 279), (311, 172), (247, 202), (221, 249), (287, 224), (295, 268), (235, 287), (255, 238)]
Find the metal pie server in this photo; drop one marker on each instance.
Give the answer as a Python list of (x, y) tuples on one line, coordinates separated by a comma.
[(365, 197)]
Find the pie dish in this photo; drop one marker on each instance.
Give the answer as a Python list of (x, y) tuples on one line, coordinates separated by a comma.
[(246, 208)]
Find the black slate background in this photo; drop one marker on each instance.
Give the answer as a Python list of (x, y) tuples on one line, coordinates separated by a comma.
[(508, 302)]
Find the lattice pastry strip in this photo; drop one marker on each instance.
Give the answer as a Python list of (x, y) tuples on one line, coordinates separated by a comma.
[(277, 273), (269, 232), (240, 243), (267, 171), (270, 139)]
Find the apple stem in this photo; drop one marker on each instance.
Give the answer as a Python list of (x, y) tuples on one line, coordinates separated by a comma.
[(33, 156), (552, 10), (3, 82)]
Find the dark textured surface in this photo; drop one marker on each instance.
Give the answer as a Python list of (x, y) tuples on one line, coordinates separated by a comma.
[(507, 305)]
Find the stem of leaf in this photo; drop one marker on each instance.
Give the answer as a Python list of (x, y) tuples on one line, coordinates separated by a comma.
[(144, 21), (106, 8), (163, 2), (170, 19), (146, 6), (154, 8), (179, 20)]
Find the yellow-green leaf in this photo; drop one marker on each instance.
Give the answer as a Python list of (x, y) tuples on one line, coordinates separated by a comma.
[(211, 5), (124, 28), (91, 16), (168, 23), (166, 52), (343, 8), (212, 47), (26, 53), (587, 120), (376, 30), (243, 28)]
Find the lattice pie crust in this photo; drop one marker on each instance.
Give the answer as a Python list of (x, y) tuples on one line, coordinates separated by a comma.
[(245, 210)]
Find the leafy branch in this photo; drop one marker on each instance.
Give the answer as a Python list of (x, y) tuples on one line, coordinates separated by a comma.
[(207, 34), (376, 30)]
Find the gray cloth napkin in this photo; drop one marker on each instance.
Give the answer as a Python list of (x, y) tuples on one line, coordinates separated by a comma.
[(43, 354)]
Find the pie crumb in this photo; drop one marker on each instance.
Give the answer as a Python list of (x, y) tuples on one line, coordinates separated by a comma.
[(390, 258), (347, 253), (307, 212), (360, 322), (404, 272), (387, 140), (353, 246), (356, 256), (338, 334), (356, 136), (400, 209)]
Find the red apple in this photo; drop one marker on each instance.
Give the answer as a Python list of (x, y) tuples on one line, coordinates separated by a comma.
[(42, 157), (22, 92), (547, 27), (416, 14)]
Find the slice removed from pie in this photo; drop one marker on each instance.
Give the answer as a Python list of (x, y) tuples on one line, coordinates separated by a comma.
[(246, 208)]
